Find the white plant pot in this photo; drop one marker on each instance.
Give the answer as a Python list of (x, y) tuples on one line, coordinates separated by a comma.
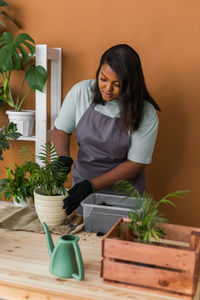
[(49, 208), (22, 203), (24, 119)]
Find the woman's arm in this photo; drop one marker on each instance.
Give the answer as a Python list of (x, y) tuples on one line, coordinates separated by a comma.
[(125, 170), (61, 142)]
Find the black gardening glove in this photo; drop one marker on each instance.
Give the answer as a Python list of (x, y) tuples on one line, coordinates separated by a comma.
[(67, 162), (77, 194)]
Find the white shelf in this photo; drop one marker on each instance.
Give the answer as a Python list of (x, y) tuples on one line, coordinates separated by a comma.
[(27, 138), (42, 135), (43, 54)]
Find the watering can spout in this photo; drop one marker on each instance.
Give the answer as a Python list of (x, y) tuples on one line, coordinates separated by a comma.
[(49, 238)]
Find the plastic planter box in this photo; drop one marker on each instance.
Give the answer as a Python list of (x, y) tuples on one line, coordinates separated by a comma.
[(102, 211)]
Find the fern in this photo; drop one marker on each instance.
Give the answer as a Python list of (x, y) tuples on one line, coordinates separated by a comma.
[(47, 174)]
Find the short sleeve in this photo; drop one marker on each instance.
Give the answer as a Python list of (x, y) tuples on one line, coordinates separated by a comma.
[(66, 120), (143, 140)]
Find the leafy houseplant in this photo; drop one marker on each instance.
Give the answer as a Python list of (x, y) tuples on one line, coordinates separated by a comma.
[(16, 185), (145, 222), (15, 54), (7, 134), (47, 175), (45, 170)]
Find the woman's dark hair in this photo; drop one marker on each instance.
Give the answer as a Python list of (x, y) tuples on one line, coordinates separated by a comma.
[(125, 62)]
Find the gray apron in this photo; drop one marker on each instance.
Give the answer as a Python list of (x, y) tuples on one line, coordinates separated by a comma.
[(103, 145)]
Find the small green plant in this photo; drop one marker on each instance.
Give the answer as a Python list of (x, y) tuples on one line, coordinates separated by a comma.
[(146, 220), (16, 185), (15, 55), (45, 169), (7, 134)]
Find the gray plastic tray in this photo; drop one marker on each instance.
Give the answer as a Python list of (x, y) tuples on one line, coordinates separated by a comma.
[(100, 218)]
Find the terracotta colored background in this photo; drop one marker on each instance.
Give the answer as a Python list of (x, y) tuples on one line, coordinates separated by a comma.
[(166, 34)]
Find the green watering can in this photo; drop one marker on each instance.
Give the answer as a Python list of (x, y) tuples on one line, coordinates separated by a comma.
[(66, 260)]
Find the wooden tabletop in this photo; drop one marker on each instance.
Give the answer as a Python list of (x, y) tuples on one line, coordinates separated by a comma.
[(24, 271)]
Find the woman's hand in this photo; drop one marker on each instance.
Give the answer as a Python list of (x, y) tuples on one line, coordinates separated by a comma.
[(125, 170), (77, 194)]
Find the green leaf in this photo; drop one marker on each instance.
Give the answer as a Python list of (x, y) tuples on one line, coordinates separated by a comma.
[(3, 24), (5, 145), (166, 201), (11, 49), (25, 55), (3, 3), (36, 77), (10, 18)]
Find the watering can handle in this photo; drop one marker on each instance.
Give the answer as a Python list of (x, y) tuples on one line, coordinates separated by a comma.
[(80, 275)]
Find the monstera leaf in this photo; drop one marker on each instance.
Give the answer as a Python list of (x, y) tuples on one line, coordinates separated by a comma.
[(36, 77), (15, 52)]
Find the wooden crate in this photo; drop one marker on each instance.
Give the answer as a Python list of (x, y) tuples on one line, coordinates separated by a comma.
[(170, 267)]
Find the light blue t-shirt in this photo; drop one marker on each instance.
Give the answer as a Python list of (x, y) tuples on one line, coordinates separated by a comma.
[(79, 99)]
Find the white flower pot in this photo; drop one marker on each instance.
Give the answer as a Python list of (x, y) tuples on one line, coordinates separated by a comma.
[(24, 119), (49, 208)]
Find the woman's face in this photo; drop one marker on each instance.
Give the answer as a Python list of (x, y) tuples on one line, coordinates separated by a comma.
[(108, 83)]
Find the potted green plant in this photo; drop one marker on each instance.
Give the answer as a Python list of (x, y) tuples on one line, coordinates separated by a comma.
[(135, 254), (146, 220), (17, 186), (7, 134), (15, 56), (47, 175)]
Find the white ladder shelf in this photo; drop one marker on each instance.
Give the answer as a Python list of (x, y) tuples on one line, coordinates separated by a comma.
[(42, 135)]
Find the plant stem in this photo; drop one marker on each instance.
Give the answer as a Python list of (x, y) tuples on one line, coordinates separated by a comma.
[(20, 92), (19, 107), (11, 102)]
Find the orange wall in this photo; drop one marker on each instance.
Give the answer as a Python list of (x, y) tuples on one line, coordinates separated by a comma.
[(166, 36)]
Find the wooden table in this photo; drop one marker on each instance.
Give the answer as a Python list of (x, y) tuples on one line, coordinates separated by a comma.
[(24, 273)]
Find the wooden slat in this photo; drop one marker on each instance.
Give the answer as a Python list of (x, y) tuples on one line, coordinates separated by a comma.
[(113, 232), (182, 259), (174, 232), (163, 294), (195, 244), (152, 277), (52, 54), (179, 232)]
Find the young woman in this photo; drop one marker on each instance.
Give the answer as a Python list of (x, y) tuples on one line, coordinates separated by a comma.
[(116, 127)]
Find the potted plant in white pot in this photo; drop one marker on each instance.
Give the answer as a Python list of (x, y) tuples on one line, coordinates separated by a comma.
[(142, 252), (17, 186), (15, 55), (47, 177)]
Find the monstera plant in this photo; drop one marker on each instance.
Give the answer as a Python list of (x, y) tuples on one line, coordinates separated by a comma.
[(15, 57), (15, 54)]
